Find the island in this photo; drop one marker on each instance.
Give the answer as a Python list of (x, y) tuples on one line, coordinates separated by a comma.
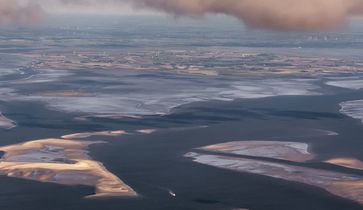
[(63, 162)]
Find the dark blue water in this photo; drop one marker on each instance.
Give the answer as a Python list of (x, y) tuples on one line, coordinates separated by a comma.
[(154, 164)]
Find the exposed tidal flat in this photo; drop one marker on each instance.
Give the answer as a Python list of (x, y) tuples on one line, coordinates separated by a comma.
[(347, 162), (154, 90), (353, 109), (63, 162), (89, 134), (144, 163), (6, 123), (354, 84), (236, 156), (293, 151), (192, 114), (142, 93)]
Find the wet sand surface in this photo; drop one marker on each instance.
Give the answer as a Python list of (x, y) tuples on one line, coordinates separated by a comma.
[(344, 185), (99, 133), (347, 162), (236, 156), (171, 88), (6, 123), (144, 163), (63, 162), (292, 151)]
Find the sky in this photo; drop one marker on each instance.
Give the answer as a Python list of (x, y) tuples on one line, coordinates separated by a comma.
[(283, 15)]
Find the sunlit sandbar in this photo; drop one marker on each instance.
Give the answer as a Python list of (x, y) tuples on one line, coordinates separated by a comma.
[(64, 162), (341, 184), (292, 151), (241, 156), (347, 162), (90, 134)]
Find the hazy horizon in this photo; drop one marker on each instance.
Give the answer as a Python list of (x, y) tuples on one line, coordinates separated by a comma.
[(181, 104), (283, 15)]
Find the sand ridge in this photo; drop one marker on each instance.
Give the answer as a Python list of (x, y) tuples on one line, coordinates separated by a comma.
[(90, 134), (225, 156), (347, 162), (64, 162), (292, 151)]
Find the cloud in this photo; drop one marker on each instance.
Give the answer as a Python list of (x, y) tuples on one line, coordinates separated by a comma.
[(286, 15), (19, 12), (295, 15)]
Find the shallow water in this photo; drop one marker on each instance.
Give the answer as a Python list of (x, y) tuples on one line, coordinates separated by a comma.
[(187, 111), (144, 163)]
